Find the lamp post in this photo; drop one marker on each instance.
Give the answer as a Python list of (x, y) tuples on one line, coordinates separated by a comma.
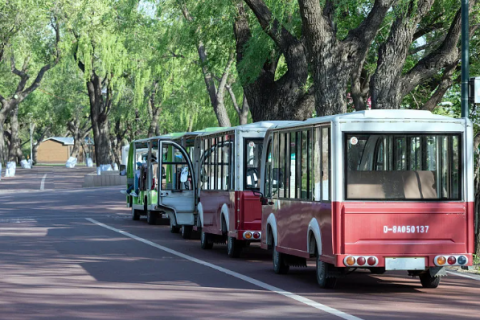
[(465, 58)]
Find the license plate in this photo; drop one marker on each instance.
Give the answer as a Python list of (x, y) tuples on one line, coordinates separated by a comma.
[(405, 263)]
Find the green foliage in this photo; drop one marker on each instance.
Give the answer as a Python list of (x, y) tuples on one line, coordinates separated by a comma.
[(476, 260), (139, 43)]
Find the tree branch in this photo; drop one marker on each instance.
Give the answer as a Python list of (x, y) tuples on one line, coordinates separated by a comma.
[(81, 65), (234, 98), (271, 26), (368, 29), (445, 54), (226, 72), (44, 69), (427, 45), (21, 73), (442, 88), (432, 27)]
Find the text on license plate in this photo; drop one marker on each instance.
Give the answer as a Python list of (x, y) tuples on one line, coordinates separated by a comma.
[(405, 229), (415, 263)]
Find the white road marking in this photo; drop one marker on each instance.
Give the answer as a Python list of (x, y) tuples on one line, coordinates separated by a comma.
[(463, 275), (42, 185), (257, 283)]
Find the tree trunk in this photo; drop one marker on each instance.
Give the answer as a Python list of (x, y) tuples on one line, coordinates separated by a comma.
[(216, 98), (34, 153), (101, 138), (77, 140), (15, 152), (117, 151), (270, 99), (117, 141), (154, 111), (334, 61), (390, 84), (243, 115), (2, 139), (37, 144), (99, 109), (153, 129), (242, 112)]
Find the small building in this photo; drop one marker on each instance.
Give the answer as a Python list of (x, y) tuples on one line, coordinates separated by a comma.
[(58, 149)]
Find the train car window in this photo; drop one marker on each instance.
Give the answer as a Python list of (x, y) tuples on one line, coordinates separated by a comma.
[(326, 164), (292, 168), (269, 180), (424, 167), (253, 154), (317, 165), (280, 174)]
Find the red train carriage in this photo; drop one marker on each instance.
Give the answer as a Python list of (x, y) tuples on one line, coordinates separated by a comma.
[(228, 174), (382, 190)]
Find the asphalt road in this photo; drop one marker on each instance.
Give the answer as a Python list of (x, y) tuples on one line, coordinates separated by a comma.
[(70, 253), (44, 178)]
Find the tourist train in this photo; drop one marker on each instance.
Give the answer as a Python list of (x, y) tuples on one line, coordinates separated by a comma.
[(378, 189)]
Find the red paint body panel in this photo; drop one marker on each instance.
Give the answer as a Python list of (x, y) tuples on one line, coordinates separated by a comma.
[(244, 212), (366, 228)]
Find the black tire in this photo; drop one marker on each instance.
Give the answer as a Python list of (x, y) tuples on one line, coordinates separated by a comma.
[(234, 247), (174, 229), (428, 281), (187, 232), (322, 275), (280, 265), (152, 217), (205, 242), (135, 214), (377, 270)]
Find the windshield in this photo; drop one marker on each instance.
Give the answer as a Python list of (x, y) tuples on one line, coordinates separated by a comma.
[(253, 154), (403, 167)]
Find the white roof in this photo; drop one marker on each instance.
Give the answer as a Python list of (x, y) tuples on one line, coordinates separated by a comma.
[(67, 141), (260, 126), (399, 114), (369, 115)]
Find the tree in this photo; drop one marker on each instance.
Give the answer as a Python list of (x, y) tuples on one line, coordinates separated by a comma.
[(216, 95), (390, 83), (99, 50), (271, 96), (29, 43)]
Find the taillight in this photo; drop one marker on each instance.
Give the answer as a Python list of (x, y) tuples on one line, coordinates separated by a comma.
[(252, 235), (441, 260), (462, 260), (361, 261), (451, 260), (350, 261)]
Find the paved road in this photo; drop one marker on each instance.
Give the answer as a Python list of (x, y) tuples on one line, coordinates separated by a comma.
[(56, 264), (53, 177)]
